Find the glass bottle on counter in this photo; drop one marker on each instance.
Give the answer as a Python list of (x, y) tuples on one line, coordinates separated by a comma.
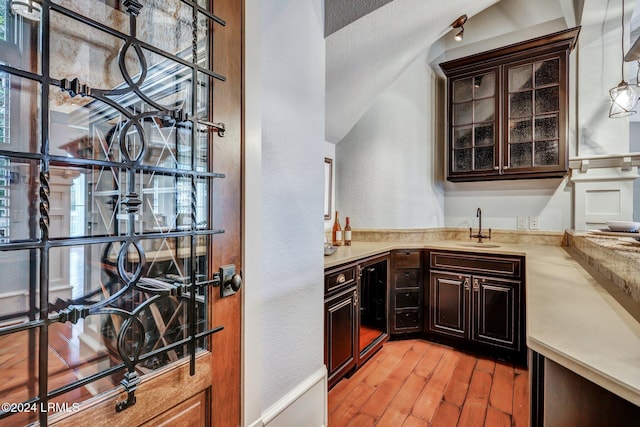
[(336, 234), (347, 233)]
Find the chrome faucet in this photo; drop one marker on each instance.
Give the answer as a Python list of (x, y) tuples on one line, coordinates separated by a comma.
[(479, 236)]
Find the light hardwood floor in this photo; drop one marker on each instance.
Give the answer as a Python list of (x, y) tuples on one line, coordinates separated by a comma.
[(417, 383)]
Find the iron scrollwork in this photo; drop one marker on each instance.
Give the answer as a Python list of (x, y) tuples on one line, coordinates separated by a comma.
[(125, 294), (131, 335)]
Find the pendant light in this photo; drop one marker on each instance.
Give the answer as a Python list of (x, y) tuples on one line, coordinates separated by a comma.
[(623, 97)]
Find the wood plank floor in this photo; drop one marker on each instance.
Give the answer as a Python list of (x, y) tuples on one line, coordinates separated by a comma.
[(416, 383)]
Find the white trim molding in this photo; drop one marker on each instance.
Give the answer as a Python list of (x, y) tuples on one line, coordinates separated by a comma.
[(603, 188), (305, 404)]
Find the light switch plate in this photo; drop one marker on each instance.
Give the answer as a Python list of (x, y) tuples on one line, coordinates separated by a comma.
[(522, 222)]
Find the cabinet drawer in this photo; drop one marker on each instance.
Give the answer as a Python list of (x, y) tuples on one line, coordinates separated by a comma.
[(407, 259), (337, 279), (478, 264), (408, 320), (408, 299), (407, 278)]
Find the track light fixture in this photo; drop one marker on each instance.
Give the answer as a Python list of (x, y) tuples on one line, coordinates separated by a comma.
[(458, 23)]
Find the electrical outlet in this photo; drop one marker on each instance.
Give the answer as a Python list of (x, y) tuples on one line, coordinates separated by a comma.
[(522, 222), (534, 223)]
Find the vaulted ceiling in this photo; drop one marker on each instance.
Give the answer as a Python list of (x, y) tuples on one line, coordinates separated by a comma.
[(370, 42)]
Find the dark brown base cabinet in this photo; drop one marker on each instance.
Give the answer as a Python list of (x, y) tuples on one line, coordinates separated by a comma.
[(477, 301), (356, 314), (468, 300), (340, 334), (407, 292)]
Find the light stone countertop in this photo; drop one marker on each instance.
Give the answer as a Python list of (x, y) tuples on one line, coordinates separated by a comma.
[(575, 316)]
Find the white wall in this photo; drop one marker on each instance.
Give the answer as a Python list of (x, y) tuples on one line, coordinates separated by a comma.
[(389, 164), (502, 202), (599, 59), (252, 232), (285, 307), (386, 162)]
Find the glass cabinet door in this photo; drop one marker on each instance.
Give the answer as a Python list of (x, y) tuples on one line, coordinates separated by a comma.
[(534, 115), (474, 122)]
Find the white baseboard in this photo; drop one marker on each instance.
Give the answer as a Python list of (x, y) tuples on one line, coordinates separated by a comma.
[(306, 404)]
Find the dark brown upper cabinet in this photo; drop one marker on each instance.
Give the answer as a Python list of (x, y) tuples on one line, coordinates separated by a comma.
[(507, 110)]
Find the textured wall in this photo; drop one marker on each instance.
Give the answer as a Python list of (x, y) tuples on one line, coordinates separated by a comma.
[(386, 163), (339, 13), (389, 171), (502, 202), (600, 56), (365, 57), (292, 179)]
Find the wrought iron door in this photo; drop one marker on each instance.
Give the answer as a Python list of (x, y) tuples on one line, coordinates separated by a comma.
[(106, 183)]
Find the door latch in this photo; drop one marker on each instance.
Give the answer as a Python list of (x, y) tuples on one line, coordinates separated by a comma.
[(229, 281)]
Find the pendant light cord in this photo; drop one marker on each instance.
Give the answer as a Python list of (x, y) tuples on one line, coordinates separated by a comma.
[(622, 44)]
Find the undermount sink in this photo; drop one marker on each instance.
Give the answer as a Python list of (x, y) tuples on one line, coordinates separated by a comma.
[(479, 245)]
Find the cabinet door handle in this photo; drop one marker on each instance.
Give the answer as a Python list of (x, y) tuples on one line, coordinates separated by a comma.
[(355, 298), (341, 279)]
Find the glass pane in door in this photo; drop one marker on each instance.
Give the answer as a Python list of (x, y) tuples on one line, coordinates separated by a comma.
[(547, 72), (520, 155), (484, 85), (547, 153), (463, 90), (105, 194)]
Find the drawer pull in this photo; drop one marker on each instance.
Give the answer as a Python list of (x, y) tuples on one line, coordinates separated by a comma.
[(341, 279)]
